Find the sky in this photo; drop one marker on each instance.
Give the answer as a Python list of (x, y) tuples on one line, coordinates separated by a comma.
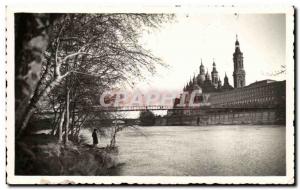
[(192, 37)]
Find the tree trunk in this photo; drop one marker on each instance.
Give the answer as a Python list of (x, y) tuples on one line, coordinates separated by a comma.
[(113, 138), (62, 117), (31, 41), (55, 126), (32, 105), (72, 122), (54, 122), (67, 116), (26, 119)]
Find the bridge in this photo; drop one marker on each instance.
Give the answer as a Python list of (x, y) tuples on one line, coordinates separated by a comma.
[(131, 108), (113, 121), (162, 108), (178, 115), (170, 108)]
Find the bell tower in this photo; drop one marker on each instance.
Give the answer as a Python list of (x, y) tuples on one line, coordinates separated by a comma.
[(214, 75), (238, 72)]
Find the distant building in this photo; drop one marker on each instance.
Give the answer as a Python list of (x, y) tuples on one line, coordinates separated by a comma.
[(208, 83), (260, 102), (266, 93), (212, 83)]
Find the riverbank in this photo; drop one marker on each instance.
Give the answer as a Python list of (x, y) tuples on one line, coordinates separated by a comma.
[(40, 154), (229, 150)]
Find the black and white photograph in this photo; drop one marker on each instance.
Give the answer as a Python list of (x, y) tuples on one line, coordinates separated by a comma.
[(150, 96)]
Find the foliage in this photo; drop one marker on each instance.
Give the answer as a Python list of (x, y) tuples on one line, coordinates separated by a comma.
[(147, 118)]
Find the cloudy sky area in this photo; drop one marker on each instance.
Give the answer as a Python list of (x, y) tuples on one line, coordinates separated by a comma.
[(193, 37)]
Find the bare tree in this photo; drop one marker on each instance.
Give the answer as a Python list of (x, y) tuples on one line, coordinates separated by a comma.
[(281, 71), (103, 46)]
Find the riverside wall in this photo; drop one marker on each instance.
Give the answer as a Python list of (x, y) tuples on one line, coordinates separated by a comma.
[(254, 117)]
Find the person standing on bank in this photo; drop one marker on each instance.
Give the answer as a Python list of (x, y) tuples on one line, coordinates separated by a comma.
[(95, 138)]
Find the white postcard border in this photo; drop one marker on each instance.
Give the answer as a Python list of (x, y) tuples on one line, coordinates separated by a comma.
[(10, 122)]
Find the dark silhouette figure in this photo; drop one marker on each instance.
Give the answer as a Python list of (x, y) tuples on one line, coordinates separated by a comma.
[(198, 121), (95, 138)]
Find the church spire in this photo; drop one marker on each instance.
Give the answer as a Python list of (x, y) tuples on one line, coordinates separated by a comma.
[(202, 70), (226, 86), (201, 76), (214, 75), (194, 79), (237, 43), (214, 66), (207, 76), (226, 79), (238, 65), (219, 83)]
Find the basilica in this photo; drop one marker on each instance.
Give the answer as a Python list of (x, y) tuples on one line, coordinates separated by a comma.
[(208, 83), (261, 102), (212, 83)]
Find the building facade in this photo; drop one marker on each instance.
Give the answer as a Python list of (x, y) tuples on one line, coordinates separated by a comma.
[(266, 93)]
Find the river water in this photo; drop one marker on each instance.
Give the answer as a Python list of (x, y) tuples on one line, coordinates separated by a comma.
[(201, 151)]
